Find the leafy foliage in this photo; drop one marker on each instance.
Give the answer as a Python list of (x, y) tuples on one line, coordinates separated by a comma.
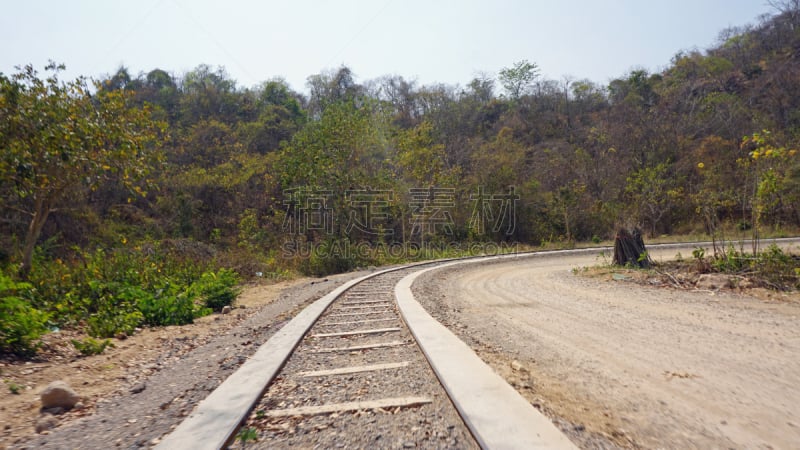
[(58, 139), (142, 200), (21, 325), (217, 289), (90, 346)]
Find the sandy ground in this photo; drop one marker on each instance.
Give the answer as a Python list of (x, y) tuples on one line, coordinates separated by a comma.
[(646, 366)]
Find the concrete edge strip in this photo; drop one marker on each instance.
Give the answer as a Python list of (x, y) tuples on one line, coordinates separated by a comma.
[(496, 414), (215, 419)]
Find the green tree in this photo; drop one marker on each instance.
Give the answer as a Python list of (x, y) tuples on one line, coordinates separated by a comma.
[(653, 193), (58, 139), (518, 78), (421, 159)]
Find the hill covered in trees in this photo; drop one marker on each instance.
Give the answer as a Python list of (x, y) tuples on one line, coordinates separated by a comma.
[(157, 180)]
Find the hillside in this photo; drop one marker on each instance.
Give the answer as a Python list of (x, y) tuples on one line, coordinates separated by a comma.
[(136, 195)]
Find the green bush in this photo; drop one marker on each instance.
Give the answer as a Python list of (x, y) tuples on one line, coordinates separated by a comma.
[(109, 323), (169, 306), (778, 268), (21, 325), (116, 309), (114, 291), (91, 346), (217, 289)]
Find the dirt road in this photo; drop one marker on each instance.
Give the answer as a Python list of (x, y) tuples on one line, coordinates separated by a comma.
[(648, 367)]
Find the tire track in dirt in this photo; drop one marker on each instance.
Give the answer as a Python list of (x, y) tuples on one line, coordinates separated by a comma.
[(668, 368)]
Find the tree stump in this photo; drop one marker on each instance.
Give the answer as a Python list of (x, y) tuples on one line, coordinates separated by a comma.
[(629, 249)]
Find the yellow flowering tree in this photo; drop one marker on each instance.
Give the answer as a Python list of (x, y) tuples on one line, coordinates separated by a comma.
[(767, 163), (715, 198)]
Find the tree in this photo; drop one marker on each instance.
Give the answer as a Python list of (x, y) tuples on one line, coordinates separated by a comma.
[(331, 87), (58, 139), (653, 192), (766, 163), (518, 78), (207, 94)]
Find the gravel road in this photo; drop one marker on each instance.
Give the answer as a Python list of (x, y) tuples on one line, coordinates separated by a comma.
[(645, 367)]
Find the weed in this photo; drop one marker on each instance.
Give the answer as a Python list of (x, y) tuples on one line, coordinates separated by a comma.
[(246, 435), (13, 387), (90, 346)]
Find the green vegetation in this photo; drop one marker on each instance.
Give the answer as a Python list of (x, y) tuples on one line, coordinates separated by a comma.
[(771, 268), (13, 387), (90, 346), (20, 324), (144, 200), (246, 435), (217, 290)]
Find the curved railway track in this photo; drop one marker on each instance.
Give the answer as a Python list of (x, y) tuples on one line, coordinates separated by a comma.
[(366, 367)]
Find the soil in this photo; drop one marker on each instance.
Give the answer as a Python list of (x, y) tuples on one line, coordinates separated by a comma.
[(625, 355), (141, 388)]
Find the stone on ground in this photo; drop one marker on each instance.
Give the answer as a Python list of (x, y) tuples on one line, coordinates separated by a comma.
[(59, 394)]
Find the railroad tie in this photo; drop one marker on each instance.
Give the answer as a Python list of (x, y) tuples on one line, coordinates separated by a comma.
[(352, 369), (356, 348), (357, 332), (396, 402)]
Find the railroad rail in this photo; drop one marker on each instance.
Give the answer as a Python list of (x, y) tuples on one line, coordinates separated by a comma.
[(367, 366)]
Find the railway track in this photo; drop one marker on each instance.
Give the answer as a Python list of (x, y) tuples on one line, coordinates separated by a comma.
[(366, 367)]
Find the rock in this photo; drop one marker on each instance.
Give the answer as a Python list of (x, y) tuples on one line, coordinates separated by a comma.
[(54, 411), (713, 281), (226, 309), (517, 366), (45, 423), (138, 388), (59, 394)]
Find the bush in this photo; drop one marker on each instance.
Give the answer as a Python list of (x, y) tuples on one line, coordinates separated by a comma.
[(217, 290), (109, 323), (778, 268), (116, 309), (21, 325), (114, 291), (91, 346), (169, 306), (329, 257)]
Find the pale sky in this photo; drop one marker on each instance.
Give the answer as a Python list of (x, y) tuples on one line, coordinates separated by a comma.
[(431, 41)]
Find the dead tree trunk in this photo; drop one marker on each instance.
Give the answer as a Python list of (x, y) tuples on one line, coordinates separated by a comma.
[(629, 249)]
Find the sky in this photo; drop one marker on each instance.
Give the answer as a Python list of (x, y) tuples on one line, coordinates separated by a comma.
[(430, 41)]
